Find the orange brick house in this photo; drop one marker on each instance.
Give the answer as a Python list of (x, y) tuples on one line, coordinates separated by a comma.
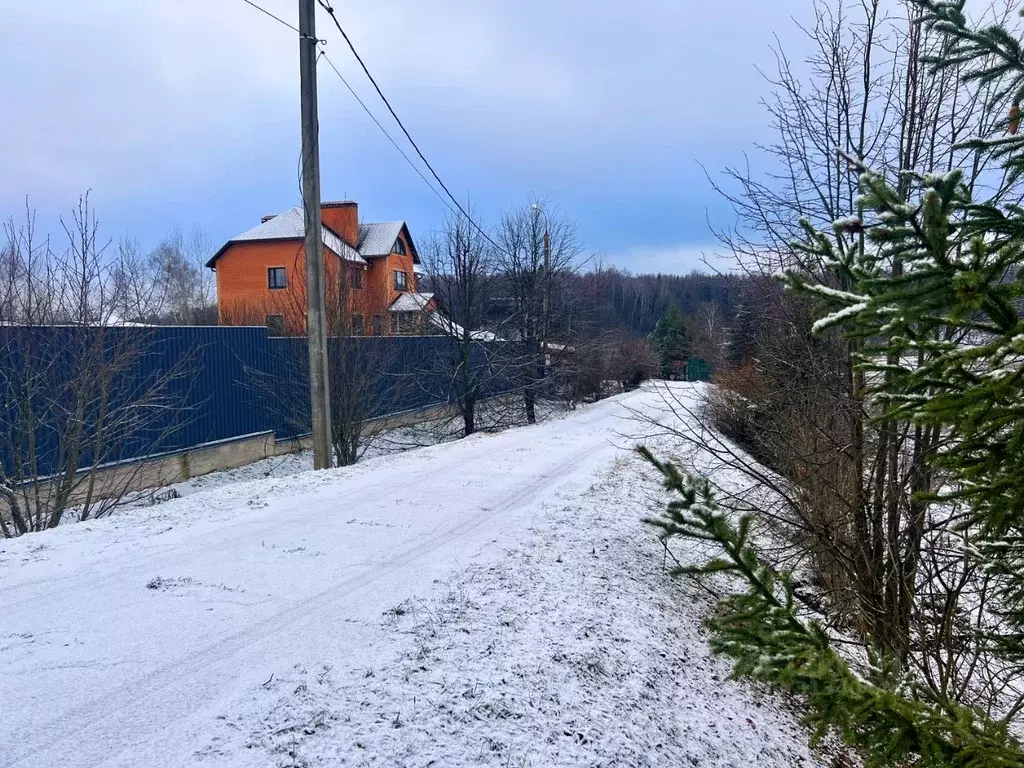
[(370, 275)]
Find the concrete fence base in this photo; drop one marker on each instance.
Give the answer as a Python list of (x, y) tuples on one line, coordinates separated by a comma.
[(116, 480)]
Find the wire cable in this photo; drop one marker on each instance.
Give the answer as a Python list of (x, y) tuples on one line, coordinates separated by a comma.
[(383, 130), (361, 104), (401, 125), (394, 114), (268, 13)]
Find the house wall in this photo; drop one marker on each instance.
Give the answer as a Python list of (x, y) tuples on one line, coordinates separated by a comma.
[(243, 295), (380, 278)]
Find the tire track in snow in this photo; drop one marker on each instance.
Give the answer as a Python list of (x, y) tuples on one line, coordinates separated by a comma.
[(97, 730), (257, 527)]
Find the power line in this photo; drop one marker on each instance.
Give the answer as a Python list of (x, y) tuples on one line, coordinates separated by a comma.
[(385, 132), (268, 13), (394, 114), (401, 125), (361, 104)]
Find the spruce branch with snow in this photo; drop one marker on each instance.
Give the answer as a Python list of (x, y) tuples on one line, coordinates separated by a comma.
[(933, 295), (889, 718), (897, 436)]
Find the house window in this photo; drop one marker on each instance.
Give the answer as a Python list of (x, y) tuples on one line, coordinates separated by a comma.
[(277, 278), (394, 322), (275, 325), (399, 247), (401, 281), (357, 324), (357, 278), (378, 325)]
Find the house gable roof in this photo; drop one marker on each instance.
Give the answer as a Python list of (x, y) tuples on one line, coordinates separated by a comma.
[(378, 239), (290, 225), (411, 302)]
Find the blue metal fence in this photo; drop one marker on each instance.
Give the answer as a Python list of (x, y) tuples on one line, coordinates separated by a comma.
[(189, 385)]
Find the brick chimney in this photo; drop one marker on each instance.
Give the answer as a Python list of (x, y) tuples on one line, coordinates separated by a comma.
[(343, 218)]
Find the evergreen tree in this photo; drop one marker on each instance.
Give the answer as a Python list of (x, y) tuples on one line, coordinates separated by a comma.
[(672, 340), (935, 298), (927, 282)]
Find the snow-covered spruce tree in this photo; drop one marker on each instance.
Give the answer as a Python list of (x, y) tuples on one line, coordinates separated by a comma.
[(936, 297), (927, 285)]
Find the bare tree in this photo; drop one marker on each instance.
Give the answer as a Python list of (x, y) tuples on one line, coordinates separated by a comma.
[(461, 262), (169, 286), (854, 483), (710, 333), (365, 377), (366, 368), (630, 361), (868, 96), (182, 285), (75, 393), (138, 296), (540, 247)]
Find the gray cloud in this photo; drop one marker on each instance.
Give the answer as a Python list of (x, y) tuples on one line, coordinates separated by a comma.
[(161, 105)]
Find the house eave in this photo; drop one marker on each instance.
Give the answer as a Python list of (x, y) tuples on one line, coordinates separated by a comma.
[(212, 263)]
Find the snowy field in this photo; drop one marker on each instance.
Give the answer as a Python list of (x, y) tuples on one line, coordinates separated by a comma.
[(492, 601)]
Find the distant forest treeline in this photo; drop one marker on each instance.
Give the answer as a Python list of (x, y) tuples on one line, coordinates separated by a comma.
[(608, 299), (586, 304)]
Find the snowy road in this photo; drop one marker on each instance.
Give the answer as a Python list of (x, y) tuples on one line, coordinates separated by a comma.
[(129, 641)]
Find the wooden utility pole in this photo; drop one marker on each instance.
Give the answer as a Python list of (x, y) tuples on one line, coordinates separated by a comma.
[(316, 326)]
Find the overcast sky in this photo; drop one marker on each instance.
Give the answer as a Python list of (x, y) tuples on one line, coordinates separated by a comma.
[(185, 112)]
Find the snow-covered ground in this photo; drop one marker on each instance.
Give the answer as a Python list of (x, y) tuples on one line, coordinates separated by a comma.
[(491, 601), (495, 414)]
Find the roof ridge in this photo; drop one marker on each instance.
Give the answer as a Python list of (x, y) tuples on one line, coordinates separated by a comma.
[(291, 225)]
